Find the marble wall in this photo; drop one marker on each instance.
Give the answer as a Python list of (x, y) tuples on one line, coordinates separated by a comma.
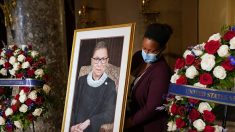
[(41, 23)]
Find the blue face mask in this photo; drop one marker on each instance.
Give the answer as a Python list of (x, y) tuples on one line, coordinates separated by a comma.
[(149, 58)]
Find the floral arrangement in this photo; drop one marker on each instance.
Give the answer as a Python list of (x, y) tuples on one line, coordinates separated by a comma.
[(207, 65), (20, 110)]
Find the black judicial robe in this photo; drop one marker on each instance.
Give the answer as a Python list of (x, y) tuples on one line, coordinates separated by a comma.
[(94, 103)]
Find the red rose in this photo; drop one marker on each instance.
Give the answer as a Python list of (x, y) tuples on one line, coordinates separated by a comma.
[(2, 90), (191, 130), (205, 79), (182, 80), (179, 63), (208, 116), (28, 102), (227, 65), (14, 108), (7, 65), (209, 129), (45, 77), (181, 110), (25, 89), (212, 46), (180, 123), (30, 117), (30, 47), (174, 109), (43, 60), (229, 35), (19, 75), (30, 72), (39, 100), (193, 101), (190, 59), (17, 97), (9, 54), (197, 63), (194, 114), (29, 59)]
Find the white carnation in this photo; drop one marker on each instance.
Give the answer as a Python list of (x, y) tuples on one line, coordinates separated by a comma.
[(191, 72), (208, 62), (215, 37), (25, 65), (218, 128), (16, 66), (2, 121), (232, 43), (23, 108), (21, 92), (12, 60), (204, 106), (23, 98), (3, 71), (174, 78), (21, 58), (39, 72), (34, 54), (11, 46), (33, 95), (178, 98), (16, 52), (46, 88), (37, 112), (197, 52), (199, 124), (12, 72), (3, 53), (219, 72), (8, 112), (187, 52), (223, 51), (23, 47), (13, 102), (171, 126), (2, 61), (18, 124), (198, 84)]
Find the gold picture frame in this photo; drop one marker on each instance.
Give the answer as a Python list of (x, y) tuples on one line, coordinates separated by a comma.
[(119, 40)]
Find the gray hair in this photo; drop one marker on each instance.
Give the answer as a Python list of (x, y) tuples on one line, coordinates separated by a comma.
[(100, 45)]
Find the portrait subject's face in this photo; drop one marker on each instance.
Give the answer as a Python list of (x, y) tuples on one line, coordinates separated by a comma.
[(99, 61)]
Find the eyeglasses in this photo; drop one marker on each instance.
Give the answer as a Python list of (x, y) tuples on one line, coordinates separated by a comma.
[(102, 60)]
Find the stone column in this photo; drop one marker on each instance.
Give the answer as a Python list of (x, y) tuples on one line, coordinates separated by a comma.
[(41, 23)]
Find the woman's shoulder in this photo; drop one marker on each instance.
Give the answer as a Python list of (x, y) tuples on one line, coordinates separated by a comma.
[(161, 66), (110, 81)]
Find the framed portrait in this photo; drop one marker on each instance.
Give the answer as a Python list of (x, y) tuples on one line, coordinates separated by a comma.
[(98, 79)]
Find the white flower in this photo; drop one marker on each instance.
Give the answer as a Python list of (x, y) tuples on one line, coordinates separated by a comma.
[(3, 53), (18, 124), (23, 47), (23, 108), (219, 72), (8, 112), (21, 92), (200, 46), (187, 52), (215, 37), (33, 95), (223, 51), (199, 124), (218, 128), (39, 72), (11, 46), (16, 52), (37, 112), (34, 54), (12, 72), (21, 58), (3, 71), (12, 60), (16, 66), (2, 61), (191, 72), (13, 102), (198, 84), (174, 78), (197, 52), (178, 98), (46, 88), (171, 126), (204, 106), (232, 43), (23, 98), (25, 65), (208, 62), (2, 121)]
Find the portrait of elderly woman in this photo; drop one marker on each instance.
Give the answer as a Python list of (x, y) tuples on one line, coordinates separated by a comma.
[(95, 94)]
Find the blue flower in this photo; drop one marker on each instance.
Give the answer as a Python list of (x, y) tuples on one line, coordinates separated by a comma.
[(232, 60), (232, 28)]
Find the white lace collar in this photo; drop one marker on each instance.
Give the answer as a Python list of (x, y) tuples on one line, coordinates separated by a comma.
[(96, 83)]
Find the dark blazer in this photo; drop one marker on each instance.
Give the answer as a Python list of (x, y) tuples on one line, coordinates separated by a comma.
[(147, 95)]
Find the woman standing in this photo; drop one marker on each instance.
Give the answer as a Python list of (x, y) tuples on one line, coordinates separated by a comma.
[(151, 83), (95, 95)]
